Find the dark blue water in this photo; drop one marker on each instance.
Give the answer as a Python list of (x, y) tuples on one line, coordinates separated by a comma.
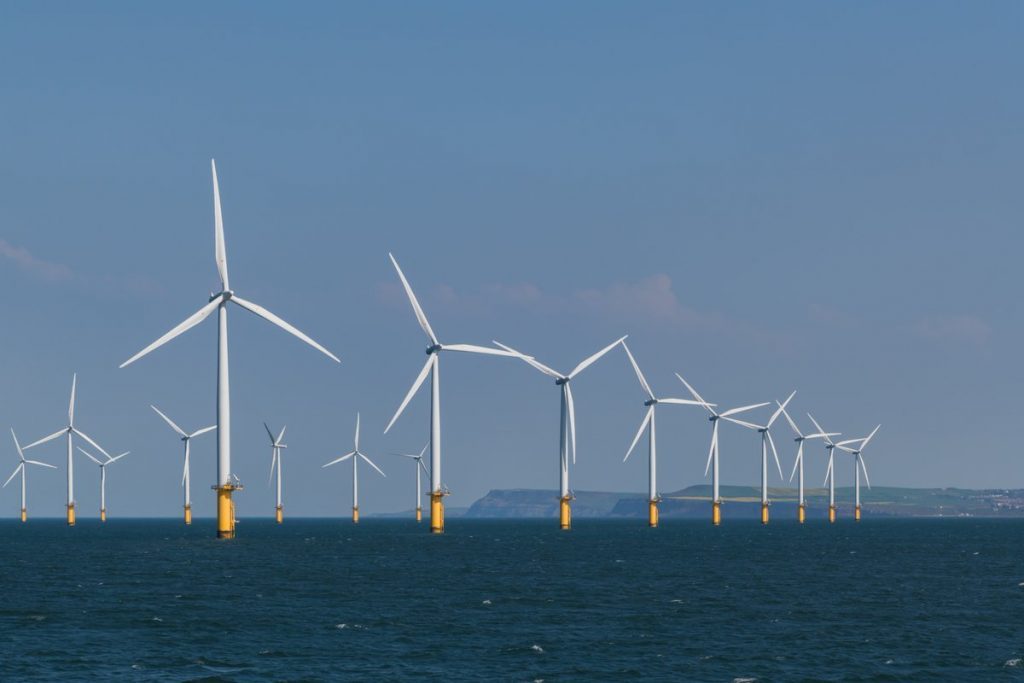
[(517, 601)]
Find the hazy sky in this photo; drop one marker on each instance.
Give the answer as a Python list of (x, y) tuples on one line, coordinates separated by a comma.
[(821, 197)]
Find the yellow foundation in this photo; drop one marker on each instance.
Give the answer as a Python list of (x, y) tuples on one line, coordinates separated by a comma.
[(856, 513), (565, 514), (188, 514), (24, 515), (652, 514), (801, 514), (419, 514), (225, 512), (71, 514), (831, 514), (764, 513), (279, 514), (437, 512), (103, 515), (716, 513), (355, 515)]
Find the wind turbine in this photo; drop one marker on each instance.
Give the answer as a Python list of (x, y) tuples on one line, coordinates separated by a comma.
[(226, 484), (419, 467), (355, 455), (830, 473), (649, 424), (858, 465), (714, 418), (433, 368), (186, 476), (567, 438), (766, 441), (69, 432), (276, 444), (798, 464), (103, 478), (21, 468)]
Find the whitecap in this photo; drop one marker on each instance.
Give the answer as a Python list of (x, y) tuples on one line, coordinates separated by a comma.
[(743, 680), (486, 602), (156, 619), (677, 600), (340, 626), (537, 648), (1013, 662)]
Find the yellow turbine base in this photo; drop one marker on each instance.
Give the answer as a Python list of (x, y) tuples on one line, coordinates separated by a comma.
[(764, 513), (565, 514), (856, 513), (652, 514), (225, 512), (716, 512), (24, 515), (71, 514), (355, 515), (419, 514), (801, 514), (831, 514), (279, 514), (188, 514), (437, 512), (103, 515)]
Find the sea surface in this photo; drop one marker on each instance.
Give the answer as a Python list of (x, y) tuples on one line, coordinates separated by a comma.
[(513, 601)]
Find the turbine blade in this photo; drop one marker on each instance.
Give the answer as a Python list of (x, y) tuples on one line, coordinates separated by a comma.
[(639, 433), (572, 420), (828, 472), (280, 436), (220, 251), (864, 469), (424, 449), (184, 473), (341, 459), (269, 433), (742, 423), (91, 442), (43, 440), (594, 358), (743, 409), (169, 421), (416, 308), (13, 474), (818, 427), (357, 433), (695, 394), (17, 445), (273, 463), (771, 442), (370, 463), (287, 327), (431, 359), (530, 361), (781, 408), (425, 470), (41, 464), (71, 403), (190, 322), (680, 401), (639, 375), (796, 430), (89, 455), (116, 458), (202, 431), (714, 443), (473, 348), (870, 436), (799, 457)]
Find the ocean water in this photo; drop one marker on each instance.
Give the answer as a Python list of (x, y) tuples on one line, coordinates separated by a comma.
[(513, 600)]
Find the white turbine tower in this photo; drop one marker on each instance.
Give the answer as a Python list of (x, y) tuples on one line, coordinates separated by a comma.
[(69, 432), (798, 464), (715, 418), (432, 367), (186, 475), (21, 468), (858, 465), (276, 444), (226, 482), (830, 473), (103, 478), (418, 462), (567, 437), (355, 455), (766, 440), (650, 424)]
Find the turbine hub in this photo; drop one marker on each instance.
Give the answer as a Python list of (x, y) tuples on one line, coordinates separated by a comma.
[(651, 402), (433, 349), (562, 380), (713, 418)]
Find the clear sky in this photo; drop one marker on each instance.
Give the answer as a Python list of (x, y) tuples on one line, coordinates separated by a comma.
[(821, 197)]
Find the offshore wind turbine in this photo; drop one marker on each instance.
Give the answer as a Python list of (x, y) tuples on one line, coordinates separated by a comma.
[(567, 435), (103, 478), (798, 464), (69, 432), (419, 467), (830, 473), (433, 368), (649, 423), (226, 482), (276, 444), (355, 455), (186, 476), (715, 418), (21, 468), (858, 465), (766, 441)]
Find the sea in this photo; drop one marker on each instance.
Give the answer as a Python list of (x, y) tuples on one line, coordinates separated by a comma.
[(148, 600)]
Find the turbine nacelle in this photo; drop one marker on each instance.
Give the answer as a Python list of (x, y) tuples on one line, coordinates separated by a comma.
[(434, 349), (651, 402)]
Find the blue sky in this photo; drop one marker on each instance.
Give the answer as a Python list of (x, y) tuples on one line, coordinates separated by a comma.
[(812, 196)]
